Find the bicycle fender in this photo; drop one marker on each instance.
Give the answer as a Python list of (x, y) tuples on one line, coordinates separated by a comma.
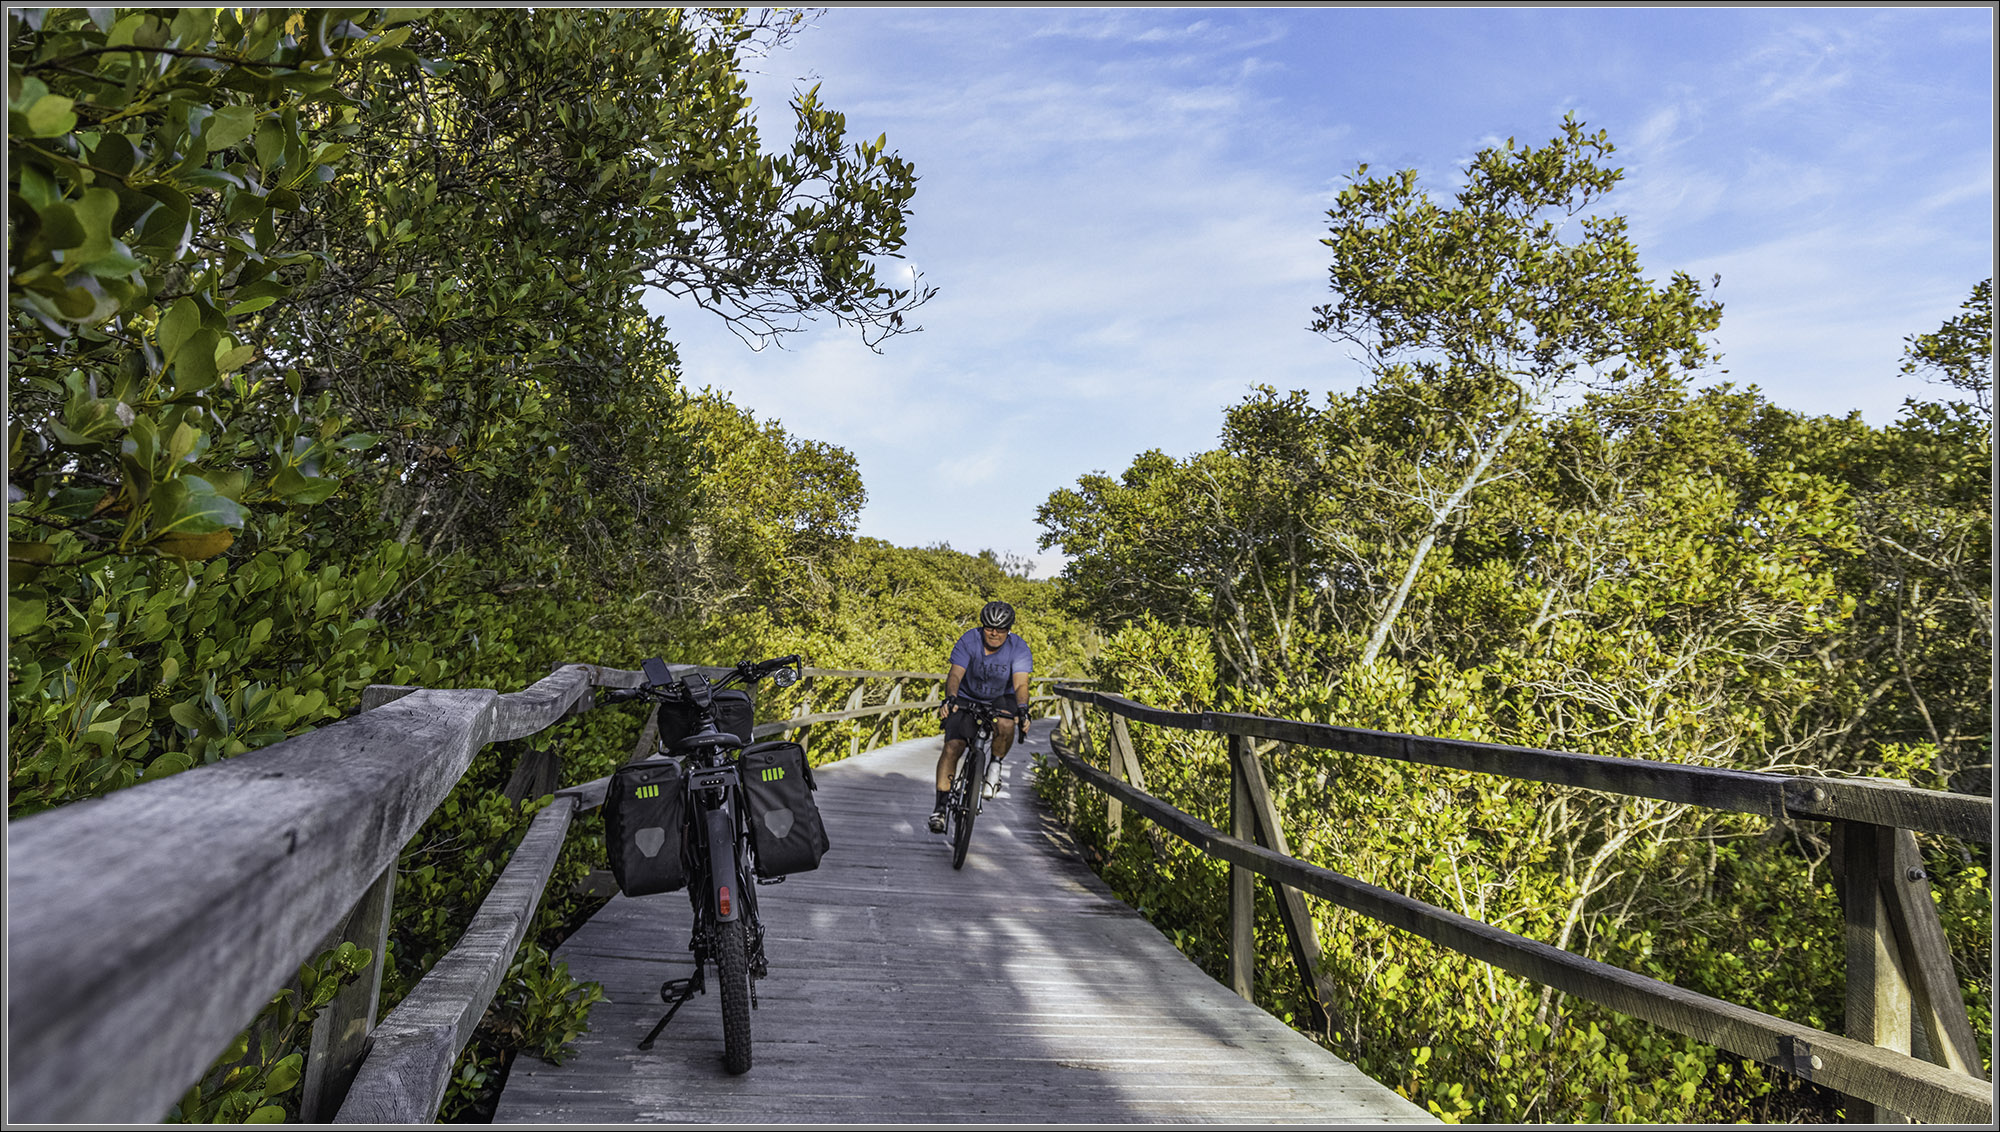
[(722, 864)]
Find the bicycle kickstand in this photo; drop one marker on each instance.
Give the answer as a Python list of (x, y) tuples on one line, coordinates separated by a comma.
[(674, 992)]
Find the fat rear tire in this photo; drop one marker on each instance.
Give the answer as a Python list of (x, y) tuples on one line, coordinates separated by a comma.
[(732, 965)]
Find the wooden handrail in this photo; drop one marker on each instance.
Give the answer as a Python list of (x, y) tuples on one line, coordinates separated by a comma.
[(1893, 1080), (157, 920), (150, 925), (408, 1068), (863, 674), (1874, 801)]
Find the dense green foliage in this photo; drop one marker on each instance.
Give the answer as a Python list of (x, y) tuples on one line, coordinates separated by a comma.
[(1636, 569), (328, 366)]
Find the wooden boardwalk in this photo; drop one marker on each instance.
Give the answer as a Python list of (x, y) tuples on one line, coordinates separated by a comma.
[(1018, 990)]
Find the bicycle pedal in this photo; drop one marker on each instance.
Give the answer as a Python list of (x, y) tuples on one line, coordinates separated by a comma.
[(770, 880)]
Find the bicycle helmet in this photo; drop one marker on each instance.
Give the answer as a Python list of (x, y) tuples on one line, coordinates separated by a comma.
[(996, 615)]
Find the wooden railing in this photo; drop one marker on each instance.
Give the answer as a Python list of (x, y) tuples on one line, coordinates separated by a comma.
[(148, 927), (1902, 990)]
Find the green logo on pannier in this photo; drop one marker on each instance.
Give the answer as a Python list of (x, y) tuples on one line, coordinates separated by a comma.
[(646, 792), (773, 773)]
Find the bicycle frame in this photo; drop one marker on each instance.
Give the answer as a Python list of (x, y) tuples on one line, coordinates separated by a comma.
[(721, 890), (968, 777)]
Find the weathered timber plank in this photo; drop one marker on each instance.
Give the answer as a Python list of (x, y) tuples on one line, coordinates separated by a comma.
[(147, 927), (1016, 990), (1878, 990), (1242, 881), (340, 1033), (1927, 960), (1893, 1080), (403, 1078), (1877, 802), (858, 674), (778, 726), (898, 674), (1880, 802), (1300, 934)]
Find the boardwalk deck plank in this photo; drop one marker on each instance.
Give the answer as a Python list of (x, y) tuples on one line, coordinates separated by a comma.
[(1018, 990)]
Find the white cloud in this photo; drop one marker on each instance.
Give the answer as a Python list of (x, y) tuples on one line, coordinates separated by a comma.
[(1123, 209)]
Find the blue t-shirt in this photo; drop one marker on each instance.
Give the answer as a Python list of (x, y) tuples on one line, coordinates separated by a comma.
[(990, 675)]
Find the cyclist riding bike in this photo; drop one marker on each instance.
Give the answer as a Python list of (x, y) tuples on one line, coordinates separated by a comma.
[(991, 665)]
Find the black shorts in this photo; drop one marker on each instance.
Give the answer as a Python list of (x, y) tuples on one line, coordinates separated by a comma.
[(960, 724)]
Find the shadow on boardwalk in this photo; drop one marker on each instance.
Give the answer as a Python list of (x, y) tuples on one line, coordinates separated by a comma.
[(901, 991)]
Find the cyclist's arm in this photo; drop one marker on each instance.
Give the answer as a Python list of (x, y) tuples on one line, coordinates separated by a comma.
[(951, 680), (1021, 694)]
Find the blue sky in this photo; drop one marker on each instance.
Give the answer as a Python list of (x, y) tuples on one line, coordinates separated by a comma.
[(1122, 211)]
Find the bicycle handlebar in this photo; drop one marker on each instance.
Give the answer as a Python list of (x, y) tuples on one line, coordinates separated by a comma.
[(785, 669), (980, 706)]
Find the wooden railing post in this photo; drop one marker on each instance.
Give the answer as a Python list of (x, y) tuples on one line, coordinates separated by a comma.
[(896, 717), (802, 708), (1242, 882), (1878, 990), (1114, 810), (1903, 990), (340, 1034), (853, 702), (1124, 764), (1299, 930), (1943, 1029)]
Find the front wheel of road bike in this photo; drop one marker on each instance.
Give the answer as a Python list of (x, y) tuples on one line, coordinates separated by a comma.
[(732, 966), (971, 774)]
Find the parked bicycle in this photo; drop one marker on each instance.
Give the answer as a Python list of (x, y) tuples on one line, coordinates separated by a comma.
[(969, 777), (718, 815)]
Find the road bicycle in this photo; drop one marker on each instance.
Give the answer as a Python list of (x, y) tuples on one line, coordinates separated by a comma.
[(964, 801), (716, 839)]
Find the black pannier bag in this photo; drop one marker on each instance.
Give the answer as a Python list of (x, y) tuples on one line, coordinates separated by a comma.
[(643, 819), (785, 826), (733, 710)]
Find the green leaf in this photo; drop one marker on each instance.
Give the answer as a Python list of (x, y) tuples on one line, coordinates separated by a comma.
[(173, 762), (50, 116), (95, 212), (270, 145), (194, 369), (230, 124), (269, 1114), (61, 228), (284, 1076), (176, 326), (24, 617), (191, 505), (251, 306), (297, 487)]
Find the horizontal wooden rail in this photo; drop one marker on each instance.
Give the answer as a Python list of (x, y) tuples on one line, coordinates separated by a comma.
[(408, 1068), (780, 726), (865, 674), (1874, 801), (1893, 1080), (149, 926)]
